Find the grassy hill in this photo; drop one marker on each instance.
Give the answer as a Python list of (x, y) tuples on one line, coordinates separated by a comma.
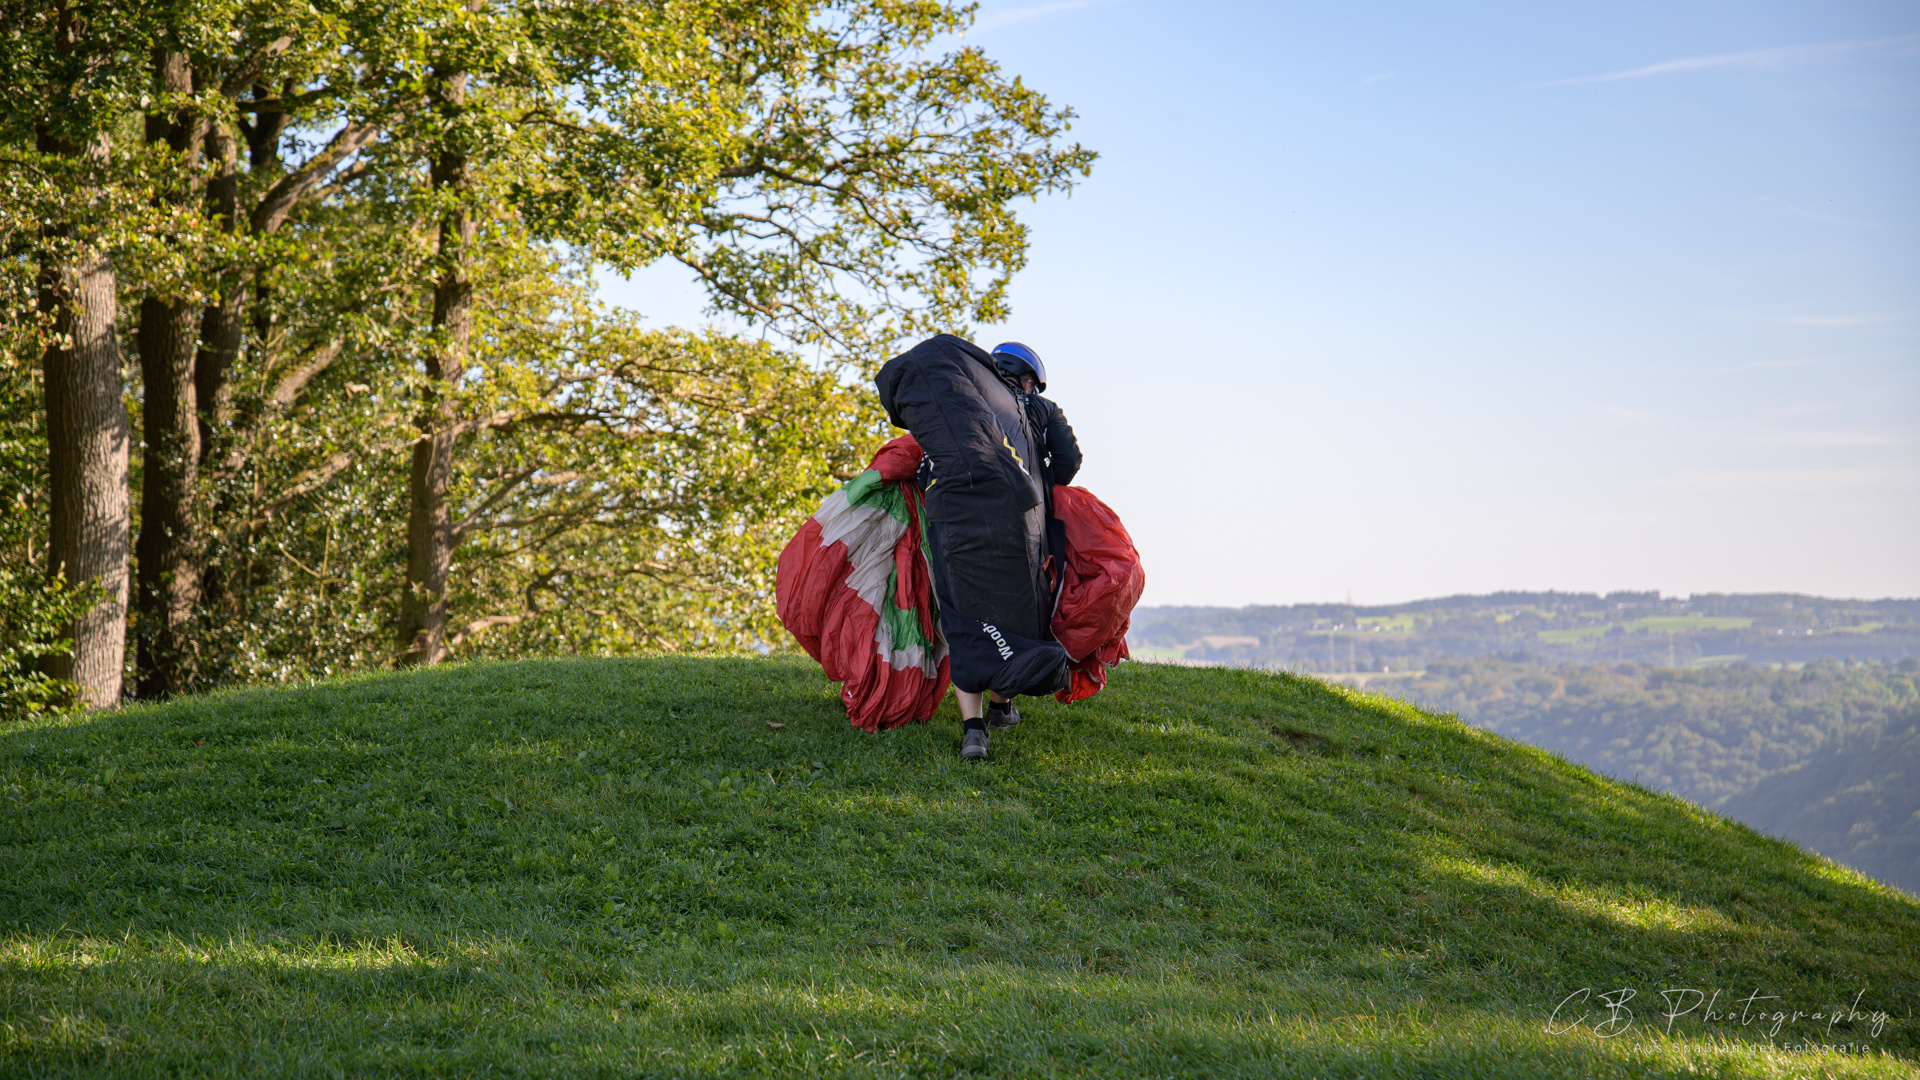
[(623, 867)]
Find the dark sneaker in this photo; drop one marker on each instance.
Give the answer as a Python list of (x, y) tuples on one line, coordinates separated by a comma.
[(1001, 715), (973, 745)]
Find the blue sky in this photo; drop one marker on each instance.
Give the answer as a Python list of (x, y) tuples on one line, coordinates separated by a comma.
[(1413, 299)]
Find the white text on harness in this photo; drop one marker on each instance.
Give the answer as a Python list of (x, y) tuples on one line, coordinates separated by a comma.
[(1006, 650)]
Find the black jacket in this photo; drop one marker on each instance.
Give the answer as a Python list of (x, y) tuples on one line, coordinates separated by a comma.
[(1058, 448)]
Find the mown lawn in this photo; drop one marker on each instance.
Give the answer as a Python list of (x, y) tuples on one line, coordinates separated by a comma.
[(621, 868)]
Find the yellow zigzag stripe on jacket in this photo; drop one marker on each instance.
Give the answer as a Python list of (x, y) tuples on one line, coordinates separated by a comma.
[(1004, 441)]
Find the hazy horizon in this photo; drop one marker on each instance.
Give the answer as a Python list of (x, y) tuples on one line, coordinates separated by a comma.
[(1357, 601)]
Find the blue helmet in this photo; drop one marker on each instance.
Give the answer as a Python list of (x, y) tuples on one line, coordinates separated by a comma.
[(1015, 360)]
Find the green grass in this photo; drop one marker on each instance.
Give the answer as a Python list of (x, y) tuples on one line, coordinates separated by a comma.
[(618, 868), (1653, 624)]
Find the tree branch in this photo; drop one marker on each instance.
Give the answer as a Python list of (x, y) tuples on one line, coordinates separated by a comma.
[(482, 625), (506, 488), (248, 73), (280, 201), (308, 481), (294, 381)]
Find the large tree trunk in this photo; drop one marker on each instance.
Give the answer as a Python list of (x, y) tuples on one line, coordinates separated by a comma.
[(87, 435), (423, 608), (222, 332), (264, 137), (169, 587), (168, 548), (223, 325)]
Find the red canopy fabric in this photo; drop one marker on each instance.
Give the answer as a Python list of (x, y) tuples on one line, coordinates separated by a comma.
[(1103, 582), (853, 589)]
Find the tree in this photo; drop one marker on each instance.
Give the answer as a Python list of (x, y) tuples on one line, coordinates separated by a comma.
[(168, 587), (87, 458), (37, 610), (824, 178), (612, 488), (430, 528), (225, 76), (356, 237), (68, 79)]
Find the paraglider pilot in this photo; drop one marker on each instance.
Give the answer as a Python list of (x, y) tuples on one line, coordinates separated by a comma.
[(994, 450)]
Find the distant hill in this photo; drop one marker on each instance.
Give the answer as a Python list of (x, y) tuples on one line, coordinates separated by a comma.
[(1857, 801), (1555, 627)]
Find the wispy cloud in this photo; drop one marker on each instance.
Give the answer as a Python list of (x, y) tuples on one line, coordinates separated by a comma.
[(994, 20), (1836, 320), (1378, 76), (1835, 219), (1787, 363), (1823, 437), (1810, 320), (1805, 408), (1634, 416), (1879, 477), (1762, 59)]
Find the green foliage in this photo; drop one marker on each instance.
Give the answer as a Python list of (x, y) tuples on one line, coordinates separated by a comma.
[(833, 182), (825, 175), (34, 616), (1856, 800), (615, 489), (645, 509), (1705, 733), (622, 867), (34, 609)]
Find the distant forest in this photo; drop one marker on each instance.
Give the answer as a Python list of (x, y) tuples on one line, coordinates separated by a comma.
[(1798, 715), (1553, 627)]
